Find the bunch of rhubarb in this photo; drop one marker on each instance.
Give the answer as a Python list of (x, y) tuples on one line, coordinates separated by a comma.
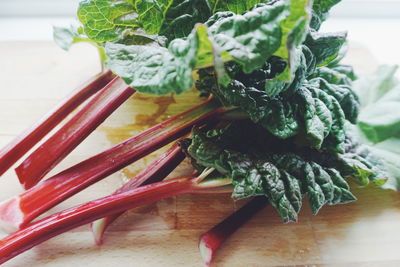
[(273, 127)]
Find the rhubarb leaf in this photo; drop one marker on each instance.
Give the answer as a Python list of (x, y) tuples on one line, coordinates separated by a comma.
[(171, 18), (320, 11), (235, 6), (260, 164), (105, 20), (325, 46), (248, 39), (314, 112), (379, 123), (65, 37), (294, 31), (346, 97)]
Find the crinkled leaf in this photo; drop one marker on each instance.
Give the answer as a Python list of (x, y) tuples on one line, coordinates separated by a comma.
[(294, 31), (105, 20), (236, 6), (325, 46), (331, 75), (249, 39), (171, 18), (347, 99), (309, 111), (264, 165)]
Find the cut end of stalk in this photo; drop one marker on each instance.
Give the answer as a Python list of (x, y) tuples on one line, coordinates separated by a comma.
[(205, 252), (98, 228), (11, 215), (26, 185)]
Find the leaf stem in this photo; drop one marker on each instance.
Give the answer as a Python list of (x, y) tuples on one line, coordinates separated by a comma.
[(66, 220), (58, 146), (213, 239), (40, 198), (17, 148), (155, 172)]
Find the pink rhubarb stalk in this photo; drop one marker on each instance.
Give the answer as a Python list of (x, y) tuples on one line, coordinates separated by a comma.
[(58, 146), (20, 210), (155, 172), (61, 222), (214, 238), (17, 148)]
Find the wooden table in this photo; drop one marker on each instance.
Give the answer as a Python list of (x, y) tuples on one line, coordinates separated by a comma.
[(34, 75)]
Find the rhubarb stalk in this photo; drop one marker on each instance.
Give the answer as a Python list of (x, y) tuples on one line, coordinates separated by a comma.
[(58, 146), (66, 220), (30, 137), (214, 238), (20, 210), (155, 172)]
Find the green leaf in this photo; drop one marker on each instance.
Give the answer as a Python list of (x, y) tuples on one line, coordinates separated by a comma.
[(331, 75), (309, 112), (236, 6), (378, 120), (378, 127), (172, 18), (153, 70), (347, 99), (388, 153), (325, 46), (320, 11), (248, 39), (105, 20), (294, 31), (260, 164), (372, 87), (66, 37)]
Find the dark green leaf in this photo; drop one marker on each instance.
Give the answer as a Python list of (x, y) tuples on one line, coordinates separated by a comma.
[(325, 46), (249, 39), (264, 165), (172, 18), (294, 31), (236, 6), (347, 99), (320, 11)]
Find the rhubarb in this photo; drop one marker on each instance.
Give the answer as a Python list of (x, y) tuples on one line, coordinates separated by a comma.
[(269, 60), (17, 148), (213, 239), (56, 189), (58, 146), (66, 220), (155, 172)]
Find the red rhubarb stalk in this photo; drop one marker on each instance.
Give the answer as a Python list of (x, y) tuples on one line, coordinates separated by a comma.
[(155, 172), (61, 222), (18, 147), (58, 146), (20, 210), (214, 238)]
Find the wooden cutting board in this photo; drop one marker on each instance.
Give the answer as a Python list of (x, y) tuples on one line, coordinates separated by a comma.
[(35, 75)]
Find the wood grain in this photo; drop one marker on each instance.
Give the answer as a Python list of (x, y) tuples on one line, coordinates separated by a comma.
[(34, 75)]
